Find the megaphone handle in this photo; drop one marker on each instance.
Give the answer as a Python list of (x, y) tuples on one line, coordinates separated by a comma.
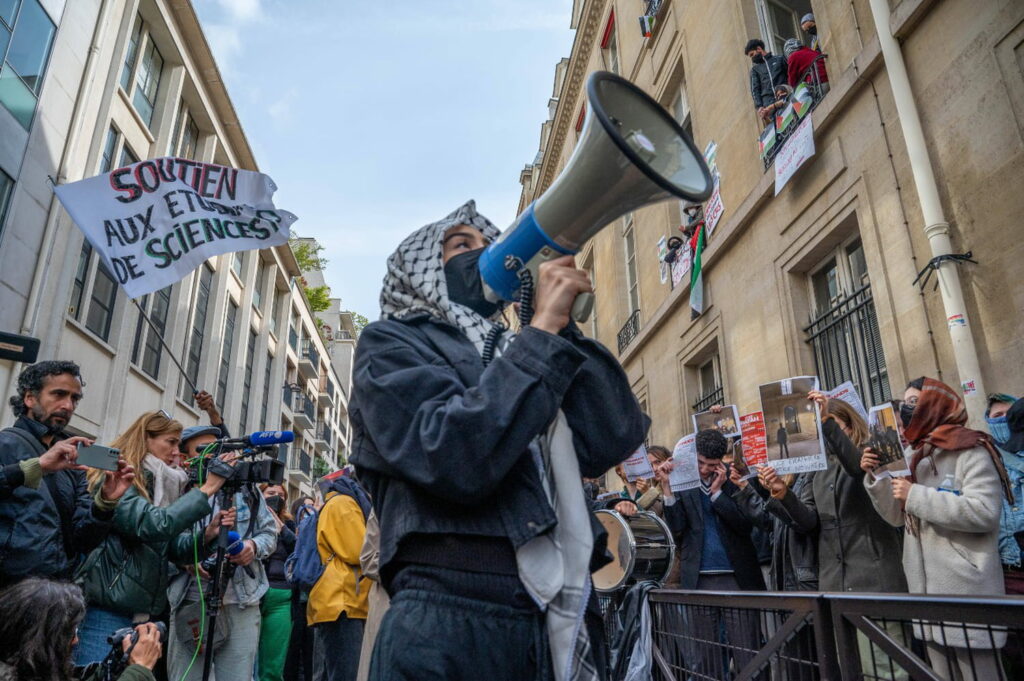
[(582, 307)]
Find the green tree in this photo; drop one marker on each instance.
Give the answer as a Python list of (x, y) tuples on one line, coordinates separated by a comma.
[(307, 254), (319, 297), (359, 321)]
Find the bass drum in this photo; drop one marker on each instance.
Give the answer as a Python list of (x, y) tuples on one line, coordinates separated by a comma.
[(642, 549)]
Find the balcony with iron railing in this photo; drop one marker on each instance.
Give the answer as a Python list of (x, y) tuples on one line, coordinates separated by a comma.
[(629, 330), (304, 411), (326, 393), (810, 90), (323, 437), (288, 396), (309, 360), (299, 461), (709, 398)]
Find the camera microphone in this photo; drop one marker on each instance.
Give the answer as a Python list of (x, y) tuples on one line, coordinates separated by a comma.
[(261, 438)]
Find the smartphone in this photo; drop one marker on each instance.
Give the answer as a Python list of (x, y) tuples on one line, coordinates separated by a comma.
[(275, 503), (98, 456)]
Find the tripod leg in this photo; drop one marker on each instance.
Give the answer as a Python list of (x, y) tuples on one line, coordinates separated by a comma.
[(226, 500)]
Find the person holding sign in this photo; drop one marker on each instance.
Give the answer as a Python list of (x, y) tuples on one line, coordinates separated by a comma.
[(472, 443), (950, 508)]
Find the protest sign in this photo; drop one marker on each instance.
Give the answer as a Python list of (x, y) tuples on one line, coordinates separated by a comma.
[(685, 474), (847, 393), (884, 440), (792, 425), (681, 266), (796, 150), (155, 221), (663, 267), (727, 421), (638, 466), (755, 446), (714, 209)]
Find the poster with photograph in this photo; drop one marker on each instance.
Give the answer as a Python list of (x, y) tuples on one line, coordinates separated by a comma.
[(685, 474), (734, 457), (726, 422), (847, 393), (884, 439), (755, 446), (792, 426), (638, 466)]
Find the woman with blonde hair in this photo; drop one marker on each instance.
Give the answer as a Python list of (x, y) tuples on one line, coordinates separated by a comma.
[(125, 578)]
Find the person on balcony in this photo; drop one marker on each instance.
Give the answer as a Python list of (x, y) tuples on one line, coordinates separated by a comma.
[(766, 74), (810, 27), (949, 507), (799, 60)]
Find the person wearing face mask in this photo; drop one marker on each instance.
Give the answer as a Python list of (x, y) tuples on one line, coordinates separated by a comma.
[(767, 73), (995, 416), (472, 443), (1011, 522), (810, 27), (949, 507)]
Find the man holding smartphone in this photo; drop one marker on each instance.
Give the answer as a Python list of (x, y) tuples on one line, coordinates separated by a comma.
[(46, 512)]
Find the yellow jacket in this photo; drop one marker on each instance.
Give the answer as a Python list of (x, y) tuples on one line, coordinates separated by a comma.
[(342, 588)]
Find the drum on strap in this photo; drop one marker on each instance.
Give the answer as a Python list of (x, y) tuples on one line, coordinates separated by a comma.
[(642, 549)]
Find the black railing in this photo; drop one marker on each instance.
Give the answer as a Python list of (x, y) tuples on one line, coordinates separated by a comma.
[(809, 92), (629, 330), (287, 396), (709, 398), (309, 352), (304, 462), (803, 635), (301, 404), (848, 346), (323, 432)]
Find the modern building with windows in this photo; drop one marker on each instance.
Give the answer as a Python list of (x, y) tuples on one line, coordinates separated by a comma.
[(819, 279), (91, 86)]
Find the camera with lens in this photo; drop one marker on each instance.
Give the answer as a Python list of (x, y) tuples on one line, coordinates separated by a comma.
[(255, 471), (116, 640)]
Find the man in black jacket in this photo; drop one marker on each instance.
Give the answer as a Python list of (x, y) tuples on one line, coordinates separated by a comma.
[(766, 74), (453, 452), (46, 526), (712, 537)]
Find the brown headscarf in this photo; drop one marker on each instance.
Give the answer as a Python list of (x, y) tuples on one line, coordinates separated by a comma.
[(938, 423)]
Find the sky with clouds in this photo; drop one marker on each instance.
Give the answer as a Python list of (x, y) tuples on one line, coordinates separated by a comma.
[(375, 118)]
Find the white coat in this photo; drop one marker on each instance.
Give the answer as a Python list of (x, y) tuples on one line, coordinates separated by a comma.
[(956, 550)]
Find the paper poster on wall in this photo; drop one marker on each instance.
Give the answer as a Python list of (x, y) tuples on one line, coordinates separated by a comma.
[(638, 466), (884, 440), (847, 393), (795, 151), (727, 421), (755, 446), (681, 266), (685, 474), (792, 425), (713, 209)]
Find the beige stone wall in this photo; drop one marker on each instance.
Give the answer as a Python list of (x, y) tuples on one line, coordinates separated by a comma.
[(964, 64)]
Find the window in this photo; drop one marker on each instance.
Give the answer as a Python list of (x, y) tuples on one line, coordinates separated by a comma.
[(185, 139), (109, 145), (611, 50), (266, 390), (629, 246), (78, 289), (128, 157), (709, 385), (26, 36), (681, 112), (6, 189), (230, 320), (275, 310), (195, 346), (147, 81), (250, 358), (101, 301), (257, 292), (844, 330), (236, 264), (780, 21), (131, 54), (147, 343)]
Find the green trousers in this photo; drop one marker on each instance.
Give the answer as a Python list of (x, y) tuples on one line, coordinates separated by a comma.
[(275, 633)]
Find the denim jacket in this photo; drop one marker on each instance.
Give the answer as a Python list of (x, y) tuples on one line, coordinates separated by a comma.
[(1012, 520), (243, 590)]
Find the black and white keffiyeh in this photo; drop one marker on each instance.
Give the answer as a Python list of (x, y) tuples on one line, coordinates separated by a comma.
[(415, 279), (555, 566)]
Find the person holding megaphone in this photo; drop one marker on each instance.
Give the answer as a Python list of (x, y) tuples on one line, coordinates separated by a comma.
[(474, 467)]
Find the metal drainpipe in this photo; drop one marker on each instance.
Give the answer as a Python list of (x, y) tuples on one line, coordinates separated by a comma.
[(935, 226)]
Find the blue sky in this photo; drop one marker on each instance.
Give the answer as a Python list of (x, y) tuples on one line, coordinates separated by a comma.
[(375, 118)]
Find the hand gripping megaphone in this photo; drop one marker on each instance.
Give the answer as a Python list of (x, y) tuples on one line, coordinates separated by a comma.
[(632, 153)]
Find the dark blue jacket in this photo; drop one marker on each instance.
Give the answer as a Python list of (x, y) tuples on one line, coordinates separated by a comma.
[(43, 530), (442, 444)]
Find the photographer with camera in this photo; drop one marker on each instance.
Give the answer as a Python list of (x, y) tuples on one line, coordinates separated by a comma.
[(39, 621), (125, 579), (47, 512), (241, 507)]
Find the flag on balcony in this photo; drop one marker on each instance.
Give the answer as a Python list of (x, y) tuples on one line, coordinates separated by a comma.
[(646, 26), (785, 118), (696, 275), (767, 141), (803, 100)]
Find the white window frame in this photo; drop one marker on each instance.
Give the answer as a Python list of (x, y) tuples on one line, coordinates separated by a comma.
[(632, 278), (844, 273), (145, 40)]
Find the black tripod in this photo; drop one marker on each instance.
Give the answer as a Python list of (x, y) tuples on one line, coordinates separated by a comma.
[(227, 499)]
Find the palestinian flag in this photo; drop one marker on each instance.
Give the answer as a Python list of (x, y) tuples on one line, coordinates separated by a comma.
[(646, 26), (767, 140), (696, 276), (785, 118), (802, 100)]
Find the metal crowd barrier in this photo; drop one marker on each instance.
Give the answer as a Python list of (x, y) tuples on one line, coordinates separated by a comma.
[(804, 636)]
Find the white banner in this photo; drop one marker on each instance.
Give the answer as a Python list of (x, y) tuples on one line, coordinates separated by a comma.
[(714, 208), (797, 149), (155, 221)]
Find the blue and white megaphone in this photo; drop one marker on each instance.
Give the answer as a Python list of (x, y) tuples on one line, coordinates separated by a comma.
[(631, 153)]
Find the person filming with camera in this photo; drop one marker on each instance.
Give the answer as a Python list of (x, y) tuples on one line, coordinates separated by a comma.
[(240, 507)]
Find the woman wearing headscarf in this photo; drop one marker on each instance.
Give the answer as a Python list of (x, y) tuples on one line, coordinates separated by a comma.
[(949, 507), (472, 443)]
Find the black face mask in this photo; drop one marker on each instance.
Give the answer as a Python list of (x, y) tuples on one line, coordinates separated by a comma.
[(465, 286), (757, 59), (813, 30), (906, 414)]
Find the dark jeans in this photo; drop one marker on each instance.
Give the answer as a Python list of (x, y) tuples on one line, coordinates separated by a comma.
[(723, 633), (431, 636), (336, 648), (298, 665)]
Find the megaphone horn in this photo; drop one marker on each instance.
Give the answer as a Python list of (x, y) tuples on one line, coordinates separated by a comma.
[(632, 153)]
